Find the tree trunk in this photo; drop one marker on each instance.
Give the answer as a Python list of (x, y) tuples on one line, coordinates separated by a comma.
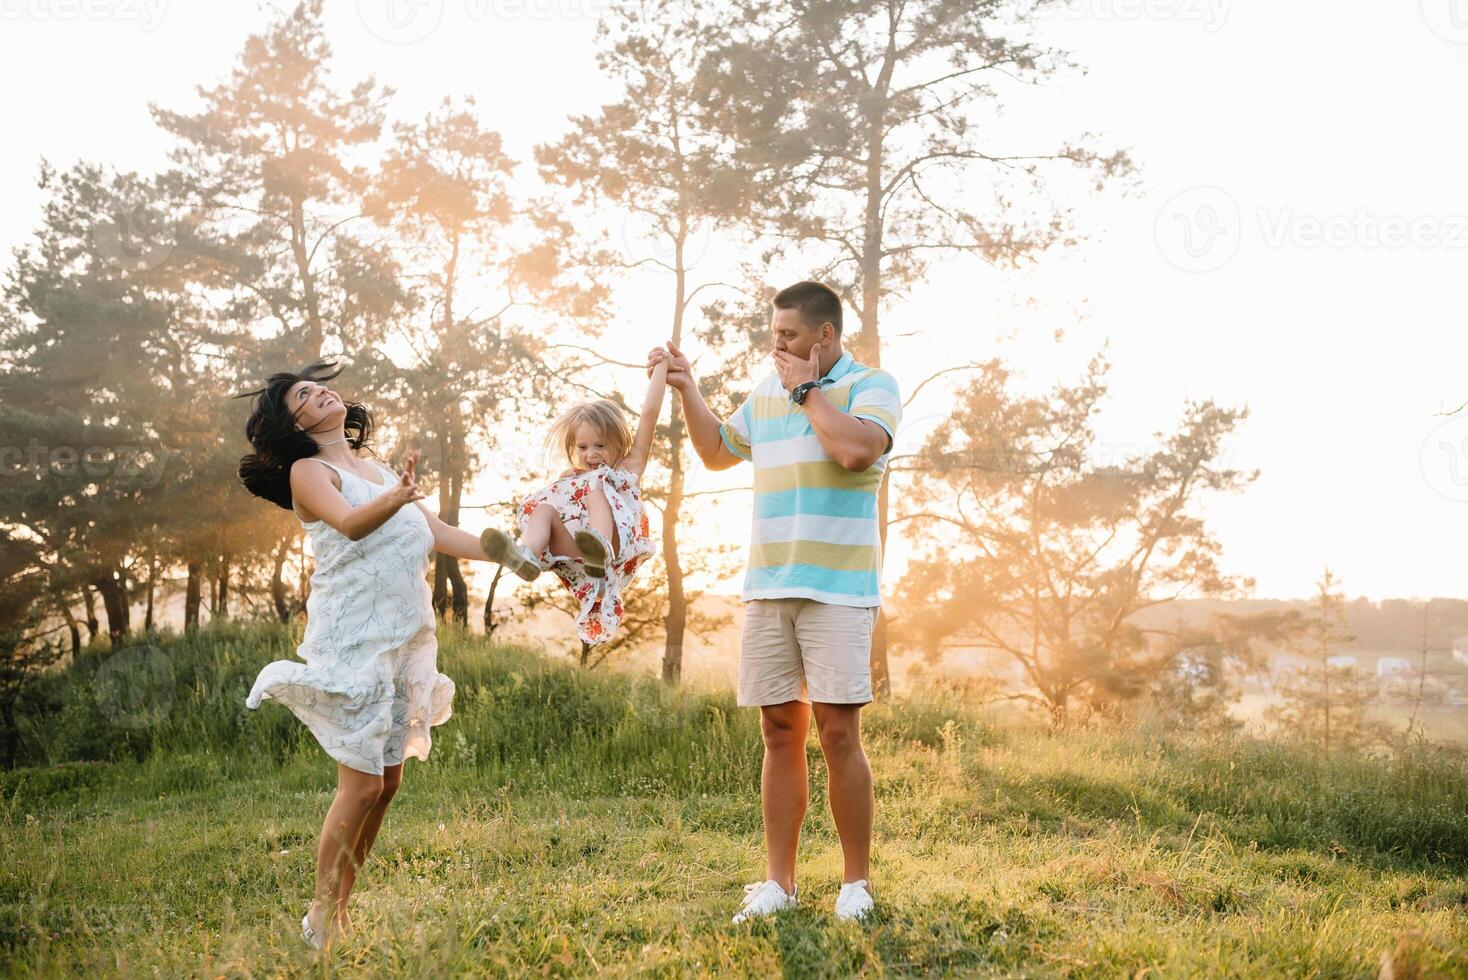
[(110, 587), (448, 575), (277, 580), (676, 622), (457, 473), (450, 592), (1059, 710), (87, 601), (223, 609), (460, 588), (440, 586), (8, 747), (72, 626), (881, 669), (152, 588), (489, 624), (313, 335), (191, 596), (440, 560), (869, 348)]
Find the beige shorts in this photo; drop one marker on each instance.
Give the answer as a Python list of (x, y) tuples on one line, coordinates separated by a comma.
[(804, 650)]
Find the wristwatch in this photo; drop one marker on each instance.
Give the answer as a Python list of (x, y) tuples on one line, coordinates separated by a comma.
[(801, 390)]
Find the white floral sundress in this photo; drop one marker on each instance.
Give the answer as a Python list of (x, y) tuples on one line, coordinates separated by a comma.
[(601, 611), (369, 689)]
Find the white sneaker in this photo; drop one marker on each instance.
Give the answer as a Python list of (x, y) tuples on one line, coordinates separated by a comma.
[(764, 898), (855, 901)]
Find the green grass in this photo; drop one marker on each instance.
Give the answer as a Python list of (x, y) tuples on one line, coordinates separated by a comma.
[(571, 823)]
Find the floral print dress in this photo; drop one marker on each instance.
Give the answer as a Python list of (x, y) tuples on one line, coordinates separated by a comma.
[(600, 600)]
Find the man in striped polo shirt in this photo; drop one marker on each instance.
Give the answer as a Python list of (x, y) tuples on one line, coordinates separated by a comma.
[(818, 430)]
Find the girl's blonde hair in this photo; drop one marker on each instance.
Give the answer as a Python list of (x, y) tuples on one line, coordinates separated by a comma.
[(605, 416)]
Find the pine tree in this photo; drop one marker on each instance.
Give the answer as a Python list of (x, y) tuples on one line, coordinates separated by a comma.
[(1319, 700)]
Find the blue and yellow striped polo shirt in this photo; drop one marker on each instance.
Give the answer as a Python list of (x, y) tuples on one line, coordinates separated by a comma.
[(815, 522)]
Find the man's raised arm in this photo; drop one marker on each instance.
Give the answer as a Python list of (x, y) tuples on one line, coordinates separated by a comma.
[(703, 425)]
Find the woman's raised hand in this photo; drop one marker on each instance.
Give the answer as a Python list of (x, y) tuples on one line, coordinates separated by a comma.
[(405, 491)]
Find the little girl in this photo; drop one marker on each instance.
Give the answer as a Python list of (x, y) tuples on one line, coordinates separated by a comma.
[(589, 526)]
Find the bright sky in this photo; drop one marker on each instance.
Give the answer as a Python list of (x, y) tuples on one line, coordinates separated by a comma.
[(1299, 244)]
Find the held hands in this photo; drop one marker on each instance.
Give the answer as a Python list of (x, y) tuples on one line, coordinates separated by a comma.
[(793, 370), (796, 371), (405, 491), (680, 372)]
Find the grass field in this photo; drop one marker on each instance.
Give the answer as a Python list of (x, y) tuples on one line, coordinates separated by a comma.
[(572, 823)]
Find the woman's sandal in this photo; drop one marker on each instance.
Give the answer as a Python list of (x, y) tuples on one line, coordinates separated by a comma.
[(313, 938), (595, 550), (500, 547)]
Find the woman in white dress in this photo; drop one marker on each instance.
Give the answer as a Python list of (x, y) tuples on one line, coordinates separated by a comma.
[(367, 684)]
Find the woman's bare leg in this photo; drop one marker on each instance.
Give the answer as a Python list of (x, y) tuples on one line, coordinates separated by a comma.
[(392, 778), (356, 794)]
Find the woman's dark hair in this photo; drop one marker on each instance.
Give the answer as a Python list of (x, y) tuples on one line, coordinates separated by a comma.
[(271, 429)]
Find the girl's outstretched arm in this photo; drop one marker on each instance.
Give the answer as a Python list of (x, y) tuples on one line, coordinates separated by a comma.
[(647, 424)]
